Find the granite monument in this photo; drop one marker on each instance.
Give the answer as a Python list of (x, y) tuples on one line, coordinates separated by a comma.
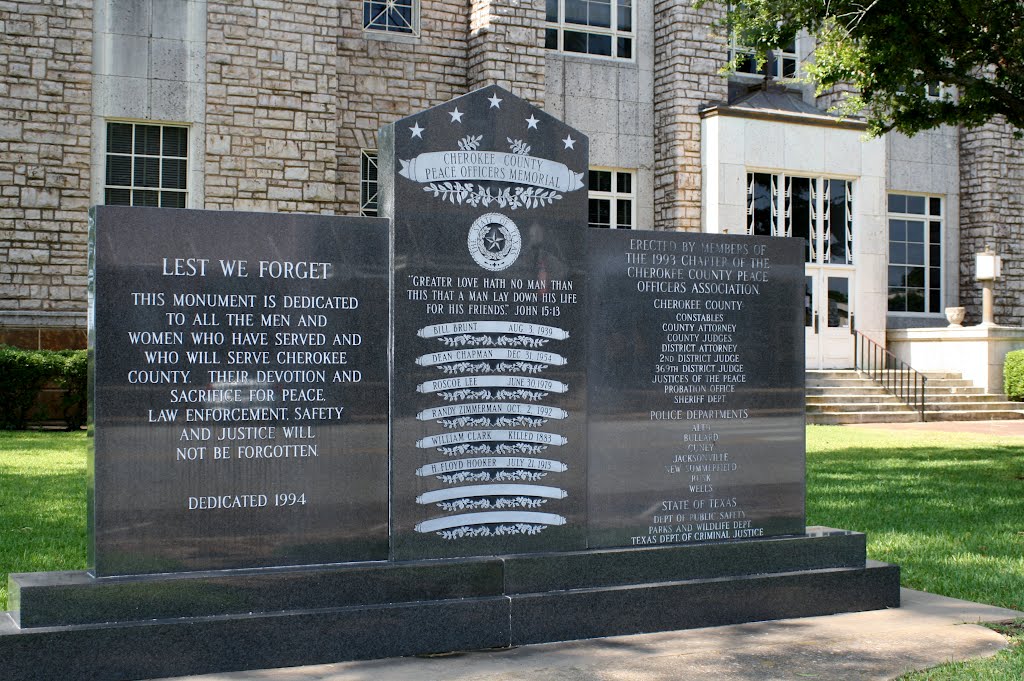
[(318, 438)]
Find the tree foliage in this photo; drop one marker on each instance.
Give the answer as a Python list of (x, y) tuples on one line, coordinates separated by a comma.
[(890, 51)]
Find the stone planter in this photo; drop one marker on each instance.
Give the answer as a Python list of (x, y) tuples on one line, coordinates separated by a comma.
[(955, 315)]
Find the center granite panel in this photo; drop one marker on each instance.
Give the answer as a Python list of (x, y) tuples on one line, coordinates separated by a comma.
[(487, 196)]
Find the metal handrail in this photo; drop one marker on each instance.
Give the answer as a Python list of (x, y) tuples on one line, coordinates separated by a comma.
[(889, 371)]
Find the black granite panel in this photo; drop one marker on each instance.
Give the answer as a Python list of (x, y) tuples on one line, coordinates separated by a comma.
[(69, 598), (239, 390), (589, 613), (488, 197), (821, 548), (696, 378), (206, 645)]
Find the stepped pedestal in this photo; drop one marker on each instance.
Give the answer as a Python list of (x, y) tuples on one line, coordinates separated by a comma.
[(194, 623)]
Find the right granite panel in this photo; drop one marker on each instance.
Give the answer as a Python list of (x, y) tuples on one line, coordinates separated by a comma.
[(696, 388)]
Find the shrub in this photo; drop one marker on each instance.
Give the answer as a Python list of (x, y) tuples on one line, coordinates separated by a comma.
[(23, 373), (73, 377), (1013, 375)]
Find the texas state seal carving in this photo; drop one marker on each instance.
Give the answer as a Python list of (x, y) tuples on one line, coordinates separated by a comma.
[(494, 242)]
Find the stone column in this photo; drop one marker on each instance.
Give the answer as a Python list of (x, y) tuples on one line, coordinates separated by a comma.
[(385, 76), (506, 46), (688, 56), (271, 105), (992, 214)]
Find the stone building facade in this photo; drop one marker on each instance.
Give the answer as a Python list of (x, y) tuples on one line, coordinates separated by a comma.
[(46, 61), (274, 105)]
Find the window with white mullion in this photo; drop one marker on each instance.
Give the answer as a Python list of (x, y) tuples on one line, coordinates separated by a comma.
[(826, 221), (801, 212), (848, 186), (601, 28), (838, 220), (146, 165), (391, 16), (817, 209), (779, 63), (915, 253), (611, 199), (762, 204), (368, 183)]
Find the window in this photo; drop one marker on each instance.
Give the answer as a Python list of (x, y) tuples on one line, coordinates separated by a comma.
[(147, 165), (817, 209), (611, 199), (391, 16), (915, 253), (598, 27), (780, 63), (368, 183), (934, 91)]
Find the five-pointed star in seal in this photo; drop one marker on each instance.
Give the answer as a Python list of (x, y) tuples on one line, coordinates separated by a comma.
[(495, 239), (417, 131), (531, 122), (456, 115), (569, 142), (495, 101)]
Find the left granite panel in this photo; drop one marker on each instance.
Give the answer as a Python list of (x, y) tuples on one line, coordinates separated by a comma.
[(239, 390)]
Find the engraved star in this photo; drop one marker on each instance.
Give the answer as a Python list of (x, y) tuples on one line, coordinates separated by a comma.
[(456, 115), (417, 131), (495, 240), (531, 122), (495, 102), (569, 142)]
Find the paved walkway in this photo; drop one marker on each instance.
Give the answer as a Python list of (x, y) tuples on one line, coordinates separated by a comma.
[(927, 630), (1013, 427)]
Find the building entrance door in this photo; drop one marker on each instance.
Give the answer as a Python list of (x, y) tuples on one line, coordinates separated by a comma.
[(828, 318)]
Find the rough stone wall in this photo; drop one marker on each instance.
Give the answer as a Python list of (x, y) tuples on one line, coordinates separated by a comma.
[(271, 116), (992, 213), (45, 109), (835, 96), (688, 56), (506, 46), (383, 77)]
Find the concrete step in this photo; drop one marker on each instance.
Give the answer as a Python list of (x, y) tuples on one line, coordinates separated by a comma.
[(832, 374), (845, 396), (844, 383), (862, 417), (885, 398), (960, 415), (955, 390), (835, 407), (976, 398), (972, 406), (839, 391)]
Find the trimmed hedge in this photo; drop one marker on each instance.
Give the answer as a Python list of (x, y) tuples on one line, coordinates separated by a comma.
[(23, 373), (1013, 375)]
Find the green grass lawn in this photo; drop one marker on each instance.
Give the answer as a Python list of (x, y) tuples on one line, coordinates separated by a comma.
[(42, 503), (948, 508)]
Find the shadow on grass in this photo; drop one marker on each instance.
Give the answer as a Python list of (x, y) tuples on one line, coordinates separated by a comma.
[(951, 517)]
